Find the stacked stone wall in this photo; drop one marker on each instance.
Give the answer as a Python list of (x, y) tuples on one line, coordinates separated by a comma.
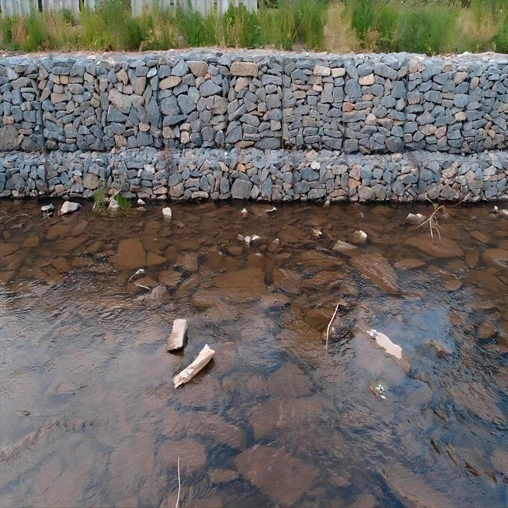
[(354, 104), (255, 124)]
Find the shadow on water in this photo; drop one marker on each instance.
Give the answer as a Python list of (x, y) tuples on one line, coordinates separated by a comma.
[(88, 413)]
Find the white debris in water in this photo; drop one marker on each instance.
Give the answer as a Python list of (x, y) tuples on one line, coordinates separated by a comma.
[(48, 208), (317, 233), (271, 210), (141, 202), (247, 239), (379, 389), (360, 237), (244, 212), (415, 218), (113, 204), (139, 273), (383, 341), (69, 207), (167, 213)]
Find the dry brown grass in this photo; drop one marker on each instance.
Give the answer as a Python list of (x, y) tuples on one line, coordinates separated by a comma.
[(476, 31), (340, 37)]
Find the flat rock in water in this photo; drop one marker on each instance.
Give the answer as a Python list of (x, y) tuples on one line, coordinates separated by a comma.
[(287, 280), (288, 381), (250, 279), (410, 487), (445, 248), (222, 475), (130, 254), (377, 269), (409, 264), (275, 415), (478, 400), (344, 248), (496, 257), (190, 453), (453, 285), (274, 471)]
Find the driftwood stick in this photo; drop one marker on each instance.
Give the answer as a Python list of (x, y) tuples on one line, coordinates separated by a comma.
[(330, 324)]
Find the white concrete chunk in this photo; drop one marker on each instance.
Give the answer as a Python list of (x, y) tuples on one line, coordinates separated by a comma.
[(177, 338)]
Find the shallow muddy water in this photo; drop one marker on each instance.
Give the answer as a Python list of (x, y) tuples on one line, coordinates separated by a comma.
[(89, 416)]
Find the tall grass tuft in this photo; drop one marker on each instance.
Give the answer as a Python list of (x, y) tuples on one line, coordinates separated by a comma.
[(110, 27)]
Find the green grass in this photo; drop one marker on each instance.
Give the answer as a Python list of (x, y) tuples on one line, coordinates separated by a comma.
[(422, 26), (100, 201)]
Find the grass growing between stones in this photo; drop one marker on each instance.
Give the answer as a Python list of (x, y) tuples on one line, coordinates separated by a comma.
[(100, 201), (430, 26)]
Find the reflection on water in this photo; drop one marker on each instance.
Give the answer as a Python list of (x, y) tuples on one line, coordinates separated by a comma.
[(88, 413)]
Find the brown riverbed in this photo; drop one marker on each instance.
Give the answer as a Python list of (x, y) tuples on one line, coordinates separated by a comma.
[(88, 413)]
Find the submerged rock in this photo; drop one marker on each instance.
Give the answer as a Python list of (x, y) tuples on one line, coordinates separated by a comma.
[(410, 487), (344, 248), (444, 248), (274, 471), (409, 264), (378, 270), (159, 294), (131, 254), (496, 257)]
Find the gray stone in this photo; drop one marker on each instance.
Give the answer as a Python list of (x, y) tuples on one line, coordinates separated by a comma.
[(209, 88), (241, 189)]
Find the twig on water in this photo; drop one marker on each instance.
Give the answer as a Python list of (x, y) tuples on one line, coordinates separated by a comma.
[(141, 286), (330, 324), (178, 497)]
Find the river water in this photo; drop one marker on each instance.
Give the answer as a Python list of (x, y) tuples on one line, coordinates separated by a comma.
[(89, 416)]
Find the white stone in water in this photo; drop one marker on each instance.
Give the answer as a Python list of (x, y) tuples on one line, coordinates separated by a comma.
[(69, 207), (177, 338), (47, 208), (244, 212), (383, 341), (360, 237), (415, 218), (167, 213), (140, 202)]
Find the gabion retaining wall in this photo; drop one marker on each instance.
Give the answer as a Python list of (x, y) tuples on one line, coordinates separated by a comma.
[(354, 103), (269, 175), (255, 124)]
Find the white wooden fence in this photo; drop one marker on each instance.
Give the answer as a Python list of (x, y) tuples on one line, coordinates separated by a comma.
[(21, 7)]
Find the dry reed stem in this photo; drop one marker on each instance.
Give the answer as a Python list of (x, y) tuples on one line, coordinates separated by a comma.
[(179, 485), (330, 324)]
